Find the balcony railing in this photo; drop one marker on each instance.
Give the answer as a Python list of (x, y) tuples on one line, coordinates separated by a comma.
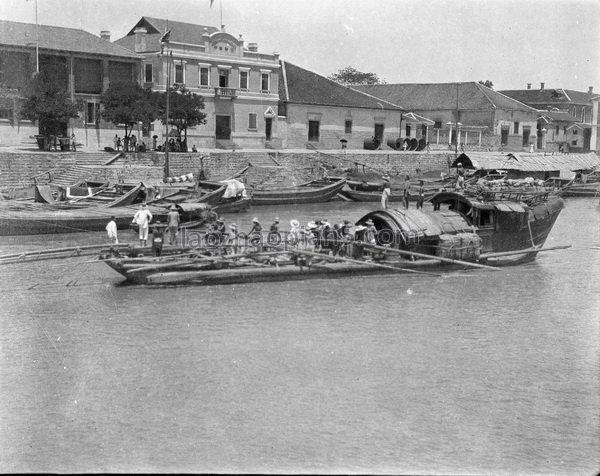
[(226, 92)]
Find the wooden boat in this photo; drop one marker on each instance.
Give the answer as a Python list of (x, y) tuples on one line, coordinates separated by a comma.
[(87, 195), (36, 218), (371, 191), (584, 185), (203, 191), (315, 191), (462, 231), (233, 205)]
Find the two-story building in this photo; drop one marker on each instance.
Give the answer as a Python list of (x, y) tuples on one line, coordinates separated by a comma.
[(577, 135), (316, 112), (479, 116), (88, 62), (239, 85)]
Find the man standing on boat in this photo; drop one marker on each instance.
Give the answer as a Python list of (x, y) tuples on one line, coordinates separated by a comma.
[(387, 191), (406, 191), (142, 217), (173, 224), (111, 229)]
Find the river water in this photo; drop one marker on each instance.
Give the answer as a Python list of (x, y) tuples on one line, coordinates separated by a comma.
[(477, 372)]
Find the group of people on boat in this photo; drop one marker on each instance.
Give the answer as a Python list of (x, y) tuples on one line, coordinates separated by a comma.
[(387, 191), (338, 239)]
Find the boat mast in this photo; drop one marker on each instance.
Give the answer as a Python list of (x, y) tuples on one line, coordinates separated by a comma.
[(456, 126)]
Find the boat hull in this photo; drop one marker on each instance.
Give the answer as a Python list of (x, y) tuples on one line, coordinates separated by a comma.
[(316, 192)]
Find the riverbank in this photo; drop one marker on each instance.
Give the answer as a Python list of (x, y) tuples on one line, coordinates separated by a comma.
[(20, 168)]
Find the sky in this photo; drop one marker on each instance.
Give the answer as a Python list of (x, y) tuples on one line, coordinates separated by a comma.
[(509, 42)]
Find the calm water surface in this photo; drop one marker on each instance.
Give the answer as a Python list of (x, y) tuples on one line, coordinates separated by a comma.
[(473, 372)]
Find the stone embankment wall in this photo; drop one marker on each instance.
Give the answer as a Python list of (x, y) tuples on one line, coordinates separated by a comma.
[(18, 169)]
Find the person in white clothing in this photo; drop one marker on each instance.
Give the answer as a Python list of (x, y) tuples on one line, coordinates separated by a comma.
[(111, 229), (143, 217)]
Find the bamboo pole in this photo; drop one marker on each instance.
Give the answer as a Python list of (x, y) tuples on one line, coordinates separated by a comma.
[(521, 252), (61, 250), (365, 263), (421, 255)]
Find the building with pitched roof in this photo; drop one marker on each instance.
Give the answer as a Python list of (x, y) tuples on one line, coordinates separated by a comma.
[(316, 112), (89, 63), (239, 85), (477, 115), (576, 135)]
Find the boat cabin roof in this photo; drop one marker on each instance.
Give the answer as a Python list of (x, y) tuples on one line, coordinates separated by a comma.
[(418, 224)]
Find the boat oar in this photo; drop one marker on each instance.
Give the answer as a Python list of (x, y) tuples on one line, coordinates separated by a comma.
[(421, 255), (364, 263)]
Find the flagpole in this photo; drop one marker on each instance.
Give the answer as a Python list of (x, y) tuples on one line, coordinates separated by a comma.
[(37, 41), (221, 7)]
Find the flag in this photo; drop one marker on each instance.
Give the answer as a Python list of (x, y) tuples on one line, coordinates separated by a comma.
[(211, 2), (165, 38)]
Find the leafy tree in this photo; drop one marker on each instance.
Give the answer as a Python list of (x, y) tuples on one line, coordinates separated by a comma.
[(49, 103), (487, 83), (349, 76), (185, 110), (127, 103)]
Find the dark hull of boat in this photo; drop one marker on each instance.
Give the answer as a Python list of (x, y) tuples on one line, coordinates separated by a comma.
[(232, 206), (252, 273), (316, 192), (581, 190), (50, 221)]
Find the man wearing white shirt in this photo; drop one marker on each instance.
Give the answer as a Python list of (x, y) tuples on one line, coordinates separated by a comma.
[(143, 217)]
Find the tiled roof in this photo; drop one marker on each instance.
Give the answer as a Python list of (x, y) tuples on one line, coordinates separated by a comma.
[(532, 162), (181, 32), (563, 116), (549, 96), (300, 86), (59, 39), (436, 96)]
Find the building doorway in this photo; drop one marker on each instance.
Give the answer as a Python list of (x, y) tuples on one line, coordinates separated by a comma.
[(223, 128), (587, 139), (526, 133), (379, 128), (504, 136)]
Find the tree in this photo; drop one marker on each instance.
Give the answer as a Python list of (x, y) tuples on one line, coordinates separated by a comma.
[(487, 83), (185, 110), (349, 76), (49, 103), (127, 103)]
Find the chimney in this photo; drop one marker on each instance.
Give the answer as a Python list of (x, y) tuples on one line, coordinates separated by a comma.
[(528, 85), (591, 90), (140, 39), (541, 86), (105, 35), (253, 47)]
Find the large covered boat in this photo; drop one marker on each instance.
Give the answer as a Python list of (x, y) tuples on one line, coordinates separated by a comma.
[(462, 231)]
